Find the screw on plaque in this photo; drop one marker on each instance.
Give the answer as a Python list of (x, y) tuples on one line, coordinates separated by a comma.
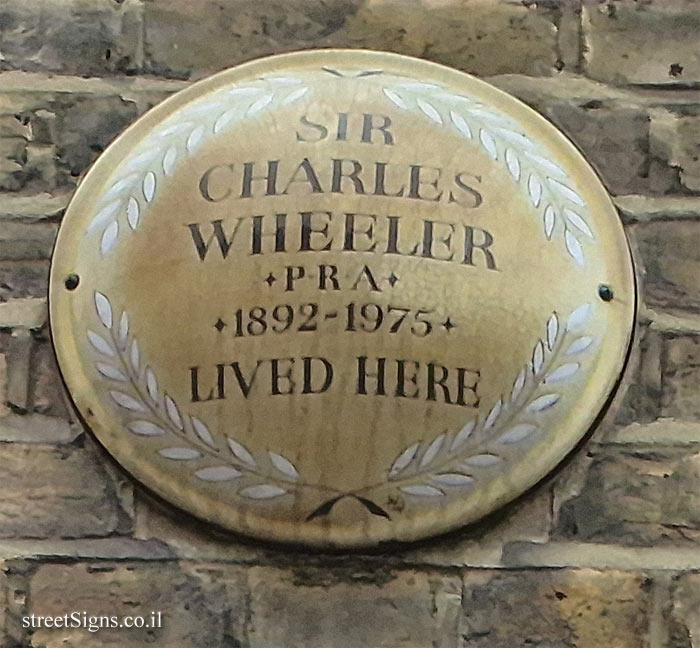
[(605, 293), (72, 281)]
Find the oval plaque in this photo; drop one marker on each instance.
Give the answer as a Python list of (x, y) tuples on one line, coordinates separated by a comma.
[(341, 298)]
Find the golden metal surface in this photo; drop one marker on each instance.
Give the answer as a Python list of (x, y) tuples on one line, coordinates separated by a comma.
[(341, 297)]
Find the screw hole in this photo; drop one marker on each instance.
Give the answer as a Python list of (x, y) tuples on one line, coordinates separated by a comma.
[(605, 292), (72, 281)]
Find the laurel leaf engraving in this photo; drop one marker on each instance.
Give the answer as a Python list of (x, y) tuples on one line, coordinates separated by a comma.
[(118, 187), (453, 479), (104, 309), (180, 454), (543, 402), (169, 160), (552, 330), (284, 466), (293, 96), (241, 453), (432, 451), (422, 490), (513, 163), (462, 435), (566, 191), (518, 385), (145, 428), (402, 461), (534, 189), (110, 372), (579, 317), (225, 119), (109, 237), (517, 433), (100, 344), (149, 186), (562, 373), (394, 98), (429, 111), (263, 491), (105, 214), (489, 143), (135, 356), (195, 139), (493, 414), (259, 104), (202, 431), (127, 401), (573, 246), (537, 357), (123, 327), (550, 167), (579, 345), (175, 129), (578, 222), (151, 384), (217, 473), (550, 218), (482, 460), (461, 124), (173, 411), (133, 211)]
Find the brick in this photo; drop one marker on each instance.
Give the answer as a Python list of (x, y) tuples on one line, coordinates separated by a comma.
[(683, 613), (84, 37), (56, 492), (319, 608), (614, 140), (201, 605), (652, 42), (571, 607), (641, 495), (25, 241), (33, 207), (670, 255), (48, 394), (187, 40), (65, 133), (27, 313), (680, 397), (20, 279), (18, 346), (675, 139), (37, 428)]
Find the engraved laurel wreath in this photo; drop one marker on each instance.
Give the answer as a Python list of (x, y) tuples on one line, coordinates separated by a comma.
[(451, 464)]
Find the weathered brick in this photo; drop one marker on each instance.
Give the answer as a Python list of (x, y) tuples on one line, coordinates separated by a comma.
[(64, 134), (683, 611), (30, 313), (675, 140), (319, 608), (680, 397), (185, 39), (26, 241), (637, 495), (48, 395), (614, 139), (20, 279), (56, 492), (70, 36), (571, 607), (651, 42), (200, 605), (670, 254)]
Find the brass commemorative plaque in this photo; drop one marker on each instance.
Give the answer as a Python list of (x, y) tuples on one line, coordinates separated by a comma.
[(340, 298)]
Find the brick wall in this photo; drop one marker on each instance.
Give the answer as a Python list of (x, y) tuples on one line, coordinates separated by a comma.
[(604, 553)]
